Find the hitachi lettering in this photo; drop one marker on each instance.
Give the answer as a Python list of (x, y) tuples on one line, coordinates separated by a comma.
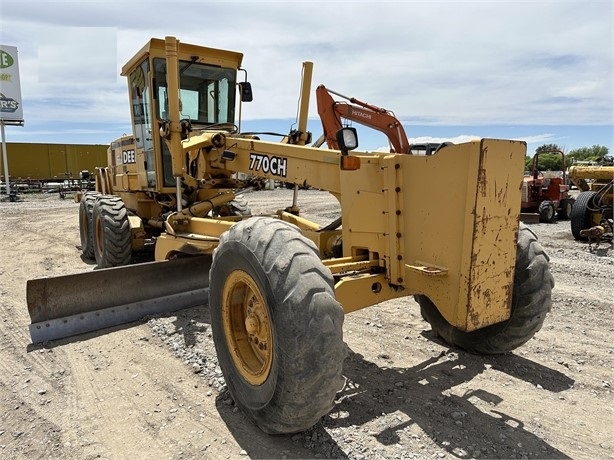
[(356, 113), (277, 166)]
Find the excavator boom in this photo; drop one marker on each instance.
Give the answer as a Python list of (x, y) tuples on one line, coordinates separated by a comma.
[(331, 112)]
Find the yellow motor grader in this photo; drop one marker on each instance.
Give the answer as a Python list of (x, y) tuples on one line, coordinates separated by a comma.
[(278, 285), (592, 216)]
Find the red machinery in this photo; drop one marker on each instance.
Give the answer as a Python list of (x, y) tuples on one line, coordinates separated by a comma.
[(546, 194)]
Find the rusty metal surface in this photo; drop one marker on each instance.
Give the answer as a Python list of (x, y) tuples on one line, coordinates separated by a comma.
[(464, 225), (140, 285)]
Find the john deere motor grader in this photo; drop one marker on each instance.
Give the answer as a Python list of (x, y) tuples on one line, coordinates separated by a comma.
[(278, 286)]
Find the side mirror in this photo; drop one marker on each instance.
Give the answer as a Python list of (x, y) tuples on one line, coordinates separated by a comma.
[(347, 139), (245, 88)]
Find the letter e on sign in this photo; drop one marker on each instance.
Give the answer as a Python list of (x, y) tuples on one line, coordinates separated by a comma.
[(5, 60)]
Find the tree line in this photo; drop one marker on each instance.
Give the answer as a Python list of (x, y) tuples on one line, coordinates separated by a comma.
[(552, 161)]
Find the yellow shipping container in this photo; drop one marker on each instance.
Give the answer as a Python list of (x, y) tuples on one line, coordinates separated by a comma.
[(50, 162)]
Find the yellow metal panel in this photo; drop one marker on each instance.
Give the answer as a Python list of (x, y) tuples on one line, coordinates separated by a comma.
[(137, 232), (52, 161), (212, 228), (363, 207), (80, 157), (27, 161), (463, 226), (57, 161), (197, 236), (316, 167), (155, 47), (494, 243), (394, 194), (360, 291), (170, 245)]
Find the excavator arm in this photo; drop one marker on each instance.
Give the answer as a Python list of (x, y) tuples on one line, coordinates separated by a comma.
[(331, 112)]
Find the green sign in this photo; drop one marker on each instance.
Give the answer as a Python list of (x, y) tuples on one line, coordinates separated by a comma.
[(11, 110), (6, 60)]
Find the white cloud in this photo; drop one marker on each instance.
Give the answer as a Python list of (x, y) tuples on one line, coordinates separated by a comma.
[(438, 63), (69, 55)]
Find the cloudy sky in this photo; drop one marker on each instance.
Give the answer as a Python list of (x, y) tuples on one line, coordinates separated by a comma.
[(540, 71)]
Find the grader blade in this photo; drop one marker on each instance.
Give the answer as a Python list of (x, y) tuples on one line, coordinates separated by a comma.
[(69, 305)]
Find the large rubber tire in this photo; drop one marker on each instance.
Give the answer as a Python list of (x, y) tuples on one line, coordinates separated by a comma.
[(112, 234), (547, 212), (86, 226), (566, 208), (531, 301), (581, 214), (276, 325)]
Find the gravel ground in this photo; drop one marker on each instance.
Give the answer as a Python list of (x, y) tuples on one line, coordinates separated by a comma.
[(155, 390)]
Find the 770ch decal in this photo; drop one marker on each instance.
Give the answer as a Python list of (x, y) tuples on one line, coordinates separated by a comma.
[(277, 166)]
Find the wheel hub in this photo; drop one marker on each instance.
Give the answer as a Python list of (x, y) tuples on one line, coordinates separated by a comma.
[(247, 327)]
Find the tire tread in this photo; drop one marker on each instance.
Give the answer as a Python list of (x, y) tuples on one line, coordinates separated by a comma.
[(310, 367), (531, 301)]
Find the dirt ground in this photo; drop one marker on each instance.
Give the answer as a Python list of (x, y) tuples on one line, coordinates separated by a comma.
[(154, 391)]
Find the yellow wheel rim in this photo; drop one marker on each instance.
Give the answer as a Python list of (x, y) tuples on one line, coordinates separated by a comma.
[(247, 327)]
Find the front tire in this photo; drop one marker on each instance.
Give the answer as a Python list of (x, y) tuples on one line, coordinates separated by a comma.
[(276, 325), (112, 234), (531, 301)]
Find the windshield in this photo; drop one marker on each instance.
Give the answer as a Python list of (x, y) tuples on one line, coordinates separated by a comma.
[(207, 92)]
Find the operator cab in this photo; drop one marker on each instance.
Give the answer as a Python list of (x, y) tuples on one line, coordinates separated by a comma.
[(207, 98)]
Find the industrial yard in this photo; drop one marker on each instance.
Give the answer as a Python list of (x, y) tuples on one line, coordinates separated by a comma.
[(154, 389)]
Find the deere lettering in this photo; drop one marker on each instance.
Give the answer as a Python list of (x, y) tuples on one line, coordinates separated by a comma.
[(277, 166), (6, 60), (128, 156)]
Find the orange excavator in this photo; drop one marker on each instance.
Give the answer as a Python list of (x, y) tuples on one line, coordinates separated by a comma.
[(331, 112)]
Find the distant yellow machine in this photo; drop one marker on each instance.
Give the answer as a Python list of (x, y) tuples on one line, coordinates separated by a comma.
[(595, 203), (442, 227)]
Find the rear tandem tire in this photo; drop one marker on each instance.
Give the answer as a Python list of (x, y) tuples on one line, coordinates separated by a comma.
[(276, 325), (86, 226), (112, 234), (581, 214), (531, 301)]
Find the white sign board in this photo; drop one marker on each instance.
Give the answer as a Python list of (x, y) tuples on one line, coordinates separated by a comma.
[(10, 89)]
